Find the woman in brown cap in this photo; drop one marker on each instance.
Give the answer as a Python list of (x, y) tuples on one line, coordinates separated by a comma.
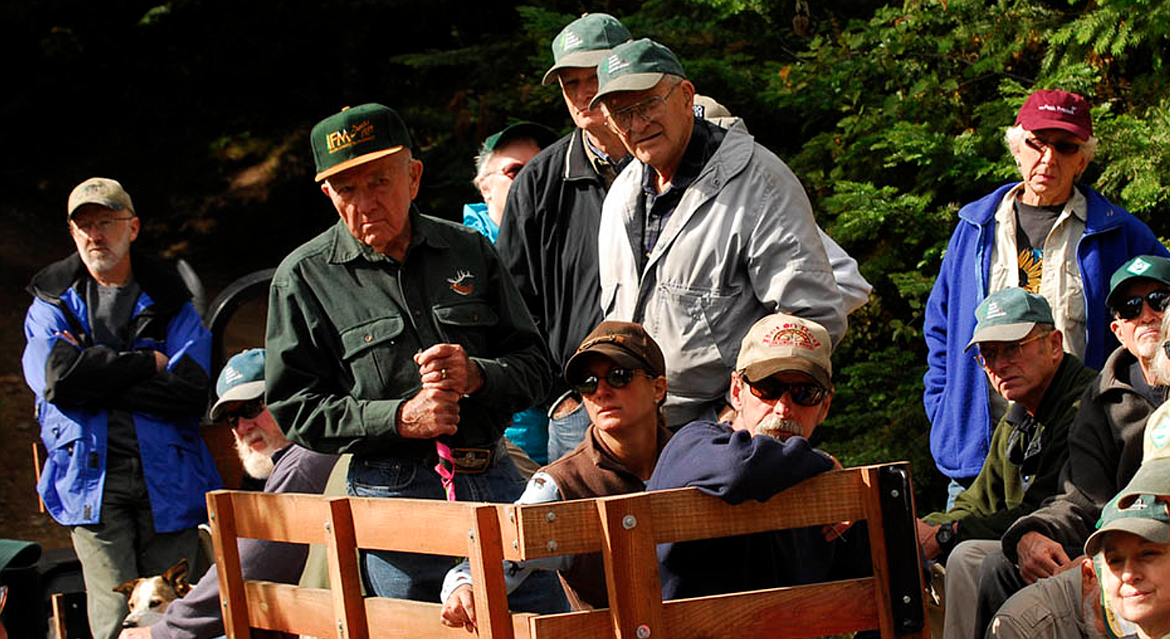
[(621, 376)]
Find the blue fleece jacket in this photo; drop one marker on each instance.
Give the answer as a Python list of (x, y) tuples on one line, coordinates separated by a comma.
[(736, 467), (956, 389)]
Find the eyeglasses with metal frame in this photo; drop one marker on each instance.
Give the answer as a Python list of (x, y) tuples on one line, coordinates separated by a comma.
[(650, 110), (1009, 350), (770, 389)]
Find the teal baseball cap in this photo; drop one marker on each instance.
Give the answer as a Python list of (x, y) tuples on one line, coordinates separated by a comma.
[(1009, 315), (585, 42), (1145, 516), (635, 66), (241, 380), (1141, 267), (355, 136), (538, 133)]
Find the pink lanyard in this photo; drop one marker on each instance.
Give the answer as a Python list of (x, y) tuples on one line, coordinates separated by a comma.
[(446, 468)]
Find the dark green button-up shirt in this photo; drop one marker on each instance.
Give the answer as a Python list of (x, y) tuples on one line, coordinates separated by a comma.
[(344, 323)]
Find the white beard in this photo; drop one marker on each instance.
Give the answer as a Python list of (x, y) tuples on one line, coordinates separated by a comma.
[(257, 463), (782, 429)]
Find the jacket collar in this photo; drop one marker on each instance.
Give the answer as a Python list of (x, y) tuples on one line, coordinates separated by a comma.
[(158, 281), (603, 458), (1100, 215)]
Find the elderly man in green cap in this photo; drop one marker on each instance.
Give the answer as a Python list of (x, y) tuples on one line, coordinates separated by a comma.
[(548, 239), (1022, 354), (704, 233), (400, 338)]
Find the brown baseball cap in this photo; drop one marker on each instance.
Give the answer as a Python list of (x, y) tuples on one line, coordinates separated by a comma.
[(782, 342), (626, 343), (101, 191)]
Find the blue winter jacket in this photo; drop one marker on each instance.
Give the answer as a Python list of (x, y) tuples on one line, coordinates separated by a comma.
[(75, 386), (956, 389)]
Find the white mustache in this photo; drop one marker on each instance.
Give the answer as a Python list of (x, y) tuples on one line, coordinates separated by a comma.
[(779, 428)]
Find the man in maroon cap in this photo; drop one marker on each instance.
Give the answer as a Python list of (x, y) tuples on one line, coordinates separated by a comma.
[(1046, 234)]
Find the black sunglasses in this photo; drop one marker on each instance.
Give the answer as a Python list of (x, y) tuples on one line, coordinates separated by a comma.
[(803, 393), (248, 410), (616, 378), (1131, 307), (1064, 148)]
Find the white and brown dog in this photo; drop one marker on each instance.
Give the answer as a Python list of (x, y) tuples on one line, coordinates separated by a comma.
[(148, 597)]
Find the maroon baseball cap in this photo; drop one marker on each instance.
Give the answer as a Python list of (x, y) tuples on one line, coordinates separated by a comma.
[(1048, 109)]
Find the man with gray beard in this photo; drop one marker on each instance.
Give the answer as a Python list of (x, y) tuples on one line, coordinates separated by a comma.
[(781, 390), (267, 455)]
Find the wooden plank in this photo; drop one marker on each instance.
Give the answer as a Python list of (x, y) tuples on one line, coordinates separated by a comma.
[(349, 611), (594, 624), (877, 551), (487, 574), (288, 608), (291, 517), (547, 530), (631, 565), (815, 610), (402, 619), (397, 524), (221, 515)]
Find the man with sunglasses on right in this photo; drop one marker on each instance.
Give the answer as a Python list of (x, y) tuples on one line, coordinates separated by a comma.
[(1105, 449)]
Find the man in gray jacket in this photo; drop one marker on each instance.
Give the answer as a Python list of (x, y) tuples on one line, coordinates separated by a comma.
[(705, 232)]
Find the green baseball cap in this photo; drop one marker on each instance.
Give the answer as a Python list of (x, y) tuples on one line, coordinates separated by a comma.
[(635, 66), (1009, 315), (585, 42), (101, 191), (355, 136), (1144, 516), (241, 380), (1143, 266), (1153, 477), (539, 133)]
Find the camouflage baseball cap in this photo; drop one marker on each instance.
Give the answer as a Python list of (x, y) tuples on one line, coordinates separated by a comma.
[(101, 191), (585, 42), (1145, 516), (357, 135)]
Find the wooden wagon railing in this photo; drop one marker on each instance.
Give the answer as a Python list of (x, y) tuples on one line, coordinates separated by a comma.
[(624, 529)]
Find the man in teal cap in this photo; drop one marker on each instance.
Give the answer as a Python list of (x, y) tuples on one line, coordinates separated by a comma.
[(1021, 352), (548, 239), (400, 338), (703, 234)]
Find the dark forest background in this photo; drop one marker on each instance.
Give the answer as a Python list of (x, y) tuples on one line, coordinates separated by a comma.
[(892, 116)]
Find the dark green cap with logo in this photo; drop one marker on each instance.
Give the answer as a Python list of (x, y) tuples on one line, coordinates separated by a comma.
[(538, 133), (1143, 266), (355, 136), (1009, 315), (635, 66), (585, 43)]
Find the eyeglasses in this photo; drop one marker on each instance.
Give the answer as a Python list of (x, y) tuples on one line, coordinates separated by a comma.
[(1064, 148), (771, 389), (1131, 307), (988, 355), (650, 110), (511, 171), (247, 410), (616, 378), (102, 225)]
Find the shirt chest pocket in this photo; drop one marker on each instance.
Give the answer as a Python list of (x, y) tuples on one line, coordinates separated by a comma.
[(371, 351), (469, 324)]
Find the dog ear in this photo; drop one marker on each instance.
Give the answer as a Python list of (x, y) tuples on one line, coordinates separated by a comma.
[(127, 587), (176, 576)]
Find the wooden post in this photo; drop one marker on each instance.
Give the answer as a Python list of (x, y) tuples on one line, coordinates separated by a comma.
[(631, 566)]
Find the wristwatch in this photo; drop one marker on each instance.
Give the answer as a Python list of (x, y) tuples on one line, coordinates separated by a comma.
[(946, 536)]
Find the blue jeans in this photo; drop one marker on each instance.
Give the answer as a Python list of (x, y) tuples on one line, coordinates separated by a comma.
[(420, 577), (566, 431)]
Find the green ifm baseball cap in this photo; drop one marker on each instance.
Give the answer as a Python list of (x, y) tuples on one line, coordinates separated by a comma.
[(585, 43), (542, 135), (101, 191), (355, 136), (1143, 266), (635, 66), (1009, 315), (241, 380), (1144, 516), (1153, 477)]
